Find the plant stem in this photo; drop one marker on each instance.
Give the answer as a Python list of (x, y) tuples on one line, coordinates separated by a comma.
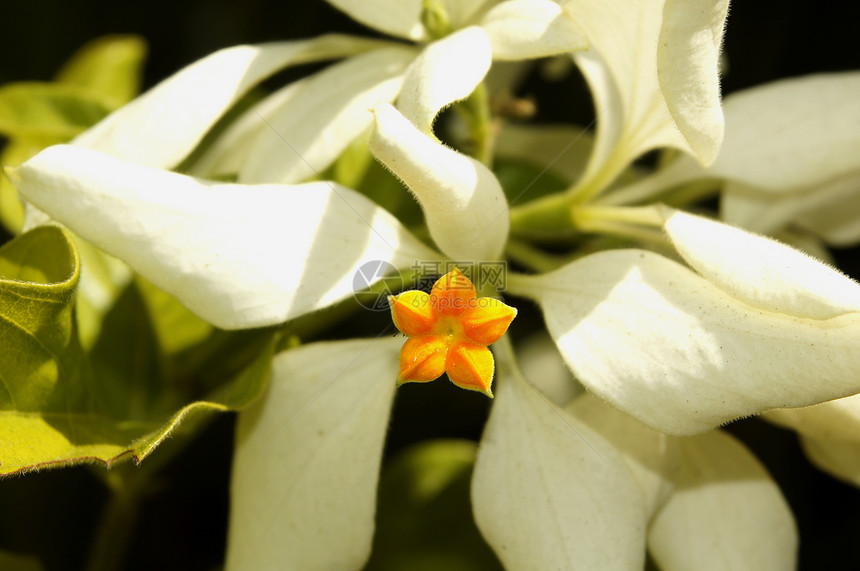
[(116, 525)]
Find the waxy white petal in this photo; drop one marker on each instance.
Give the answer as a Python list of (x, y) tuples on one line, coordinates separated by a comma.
[(641, 101), (759, 271), (548, 492), (726, 512), (313, 126), (673, 350), (163, 125), (446, 71), (463, 203), (528, 29), (239, 256), (651, 456), (305, 472)]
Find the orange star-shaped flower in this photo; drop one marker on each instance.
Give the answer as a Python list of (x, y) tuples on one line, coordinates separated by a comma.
[(449, 330)]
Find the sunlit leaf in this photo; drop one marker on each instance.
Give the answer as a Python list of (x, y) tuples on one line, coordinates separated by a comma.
[(111, 66), (55, 408), (47, 109)]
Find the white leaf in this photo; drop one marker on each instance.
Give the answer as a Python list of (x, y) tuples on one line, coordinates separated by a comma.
[(793, 133), (726, 512), (465, 207), (641, 101), (239, 256), (311, 129), (163, 125), (839, 458), (651, 456), (541, 363), (447, 70), (687, 66), (671, 349), (560, 148), (401, 18), (549, 493), (229, 151), (833, 420), (306, 467), (760, 271), (528, 29)]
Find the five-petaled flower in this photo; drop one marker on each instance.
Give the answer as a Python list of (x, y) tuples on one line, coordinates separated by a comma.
[(449, 330)]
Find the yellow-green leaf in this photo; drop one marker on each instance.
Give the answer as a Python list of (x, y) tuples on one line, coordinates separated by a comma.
[(111, 66), (47, 109), (57, 406)]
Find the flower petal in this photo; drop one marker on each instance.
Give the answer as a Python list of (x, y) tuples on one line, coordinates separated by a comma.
[(671, 349), (412, 313), (488, 320), (548, 492), (464, 205), (470, 366), (528, 29), (422, 359), (238, 256), (642, 102), (759, 271), (163, 125), (726, 512), (452, 293), (291, 499), (446, 71), (401, 18), (310, 130)]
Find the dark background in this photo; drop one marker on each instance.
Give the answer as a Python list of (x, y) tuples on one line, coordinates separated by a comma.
[(53, 513)]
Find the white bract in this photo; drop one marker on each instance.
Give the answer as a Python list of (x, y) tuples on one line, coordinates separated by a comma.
[(747, 325)]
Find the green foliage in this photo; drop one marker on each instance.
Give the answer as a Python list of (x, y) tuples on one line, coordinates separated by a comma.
[(424, 521), (60, 405), (100, 77), (35, 109), (110, 67)]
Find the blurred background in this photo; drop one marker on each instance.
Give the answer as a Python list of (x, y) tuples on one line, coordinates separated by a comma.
[(52, 514)]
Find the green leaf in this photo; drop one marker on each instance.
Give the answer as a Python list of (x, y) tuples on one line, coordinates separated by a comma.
[(111, 66), (39, 271), (424, 520), (56, 408), (47, 109)]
